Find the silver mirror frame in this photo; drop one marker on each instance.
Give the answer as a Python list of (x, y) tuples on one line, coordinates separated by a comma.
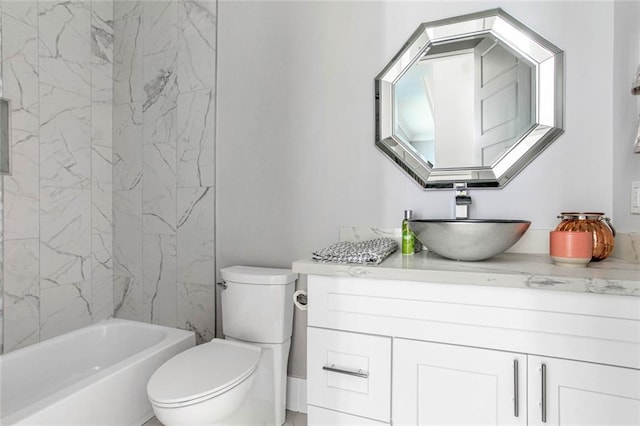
[(546, 60)]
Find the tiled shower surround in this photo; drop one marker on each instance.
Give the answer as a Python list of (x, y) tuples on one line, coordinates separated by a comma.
[(110, 208)]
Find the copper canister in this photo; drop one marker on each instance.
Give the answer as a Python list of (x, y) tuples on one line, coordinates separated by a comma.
[(599, 225)]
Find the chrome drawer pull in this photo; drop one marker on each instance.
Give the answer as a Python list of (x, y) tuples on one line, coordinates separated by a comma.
[(516, 396), (333, 369), (543, 372)]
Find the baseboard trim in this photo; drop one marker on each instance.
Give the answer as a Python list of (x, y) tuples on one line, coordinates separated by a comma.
[(296, 394)]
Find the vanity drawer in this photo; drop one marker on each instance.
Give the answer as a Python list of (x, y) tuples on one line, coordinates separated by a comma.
[(317, 416), (349, 372)]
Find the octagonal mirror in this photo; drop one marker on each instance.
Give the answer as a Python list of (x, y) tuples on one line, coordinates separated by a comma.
[(471, 99)]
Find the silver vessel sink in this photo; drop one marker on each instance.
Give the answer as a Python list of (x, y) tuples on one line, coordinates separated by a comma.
[(468, 239)]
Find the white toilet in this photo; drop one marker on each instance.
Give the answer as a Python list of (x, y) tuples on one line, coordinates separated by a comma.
[(240, 380)]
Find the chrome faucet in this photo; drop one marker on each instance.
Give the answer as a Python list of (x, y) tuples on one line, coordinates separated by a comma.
[(463, 201)]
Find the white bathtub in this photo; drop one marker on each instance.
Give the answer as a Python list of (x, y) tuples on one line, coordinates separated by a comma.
[(92, 376)]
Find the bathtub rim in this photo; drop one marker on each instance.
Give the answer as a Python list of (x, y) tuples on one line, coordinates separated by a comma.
[(172, 335)]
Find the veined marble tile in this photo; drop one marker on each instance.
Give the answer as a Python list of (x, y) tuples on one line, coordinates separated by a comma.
[(64, 30), (20, 79), (363, 233), (103, 9), (159, 194), (123, 9), (65, 125), (68, 83), (65, 149), (64, 308), (196, 235), (102, 276), (127, 61), (127, 254), (196, 45), (160, 20), (127, 147), (102, 124), (627, 247), (19, 30), (102, 82), (21, 321), (196, 134), (101, 190), (22, 189), (159, 282), (196, 310), (20, 62), (161, 96), (205, 6), (127, 298), (65, 236), (102, 56), (102, 31), (127, 234), (21, 293)]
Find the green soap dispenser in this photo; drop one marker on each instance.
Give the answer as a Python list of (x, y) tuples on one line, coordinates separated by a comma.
[(408, 239)]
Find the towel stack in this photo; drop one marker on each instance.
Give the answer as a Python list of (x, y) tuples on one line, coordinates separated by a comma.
[(370, 252)]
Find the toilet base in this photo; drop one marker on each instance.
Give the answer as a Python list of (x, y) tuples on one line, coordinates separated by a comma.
[(263, 397), (267, 397)]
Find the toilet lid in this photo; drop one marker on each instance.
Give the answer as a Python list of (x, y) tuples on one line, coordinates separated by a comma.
[(203, 371)]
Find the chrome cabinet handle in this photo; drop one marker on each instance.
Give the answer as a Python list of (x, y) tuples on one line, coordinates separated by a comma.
[(516, 396), (543, 372), (334, 369)]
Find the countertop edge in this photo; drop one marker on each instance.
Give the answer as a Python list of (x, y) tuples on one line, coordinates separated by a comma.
[(511, 270)]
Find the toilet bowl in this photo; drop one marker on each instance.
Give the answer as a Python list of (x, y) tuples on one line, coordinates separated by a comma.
[(205, 384), (240, 380)]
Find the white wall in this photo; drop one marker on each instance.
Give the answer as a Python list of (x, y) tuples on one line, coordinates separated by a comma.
[(626, 109), (295, 127)]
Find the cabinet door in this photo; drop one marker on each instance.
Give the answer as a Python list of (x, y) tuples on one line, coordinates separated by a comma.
[(563, 392), (439, 384)]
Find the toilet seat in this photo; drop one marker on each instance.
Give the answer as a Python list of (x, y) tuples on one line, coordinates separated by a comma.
[(202, 372)]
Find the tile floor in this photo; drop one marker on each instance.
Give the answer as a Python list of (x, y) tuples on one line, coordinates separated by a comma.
[(292, 419)]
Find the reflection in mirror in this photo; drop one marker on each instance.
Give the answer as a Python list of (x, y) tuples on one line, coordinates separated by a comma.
[(470, 100), (465, 108), (5, 133)]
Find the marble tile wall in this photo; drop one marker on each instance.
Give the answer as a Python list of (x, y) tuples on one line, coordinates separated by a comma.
[(105, 92), (627, 247), (163, 162), (57, 70)]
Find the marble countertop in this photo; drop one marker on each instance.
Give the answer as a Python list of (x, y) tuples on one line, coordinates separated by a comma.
[(515, 270)]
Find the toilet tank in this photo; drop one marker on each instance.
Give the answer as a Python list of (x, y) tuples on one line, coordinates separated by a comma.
[(257, 303)]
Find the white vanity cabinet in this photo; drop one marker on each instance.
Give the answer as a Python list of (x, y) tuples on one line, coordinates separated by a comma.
[(428, 353), (441, 384)]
